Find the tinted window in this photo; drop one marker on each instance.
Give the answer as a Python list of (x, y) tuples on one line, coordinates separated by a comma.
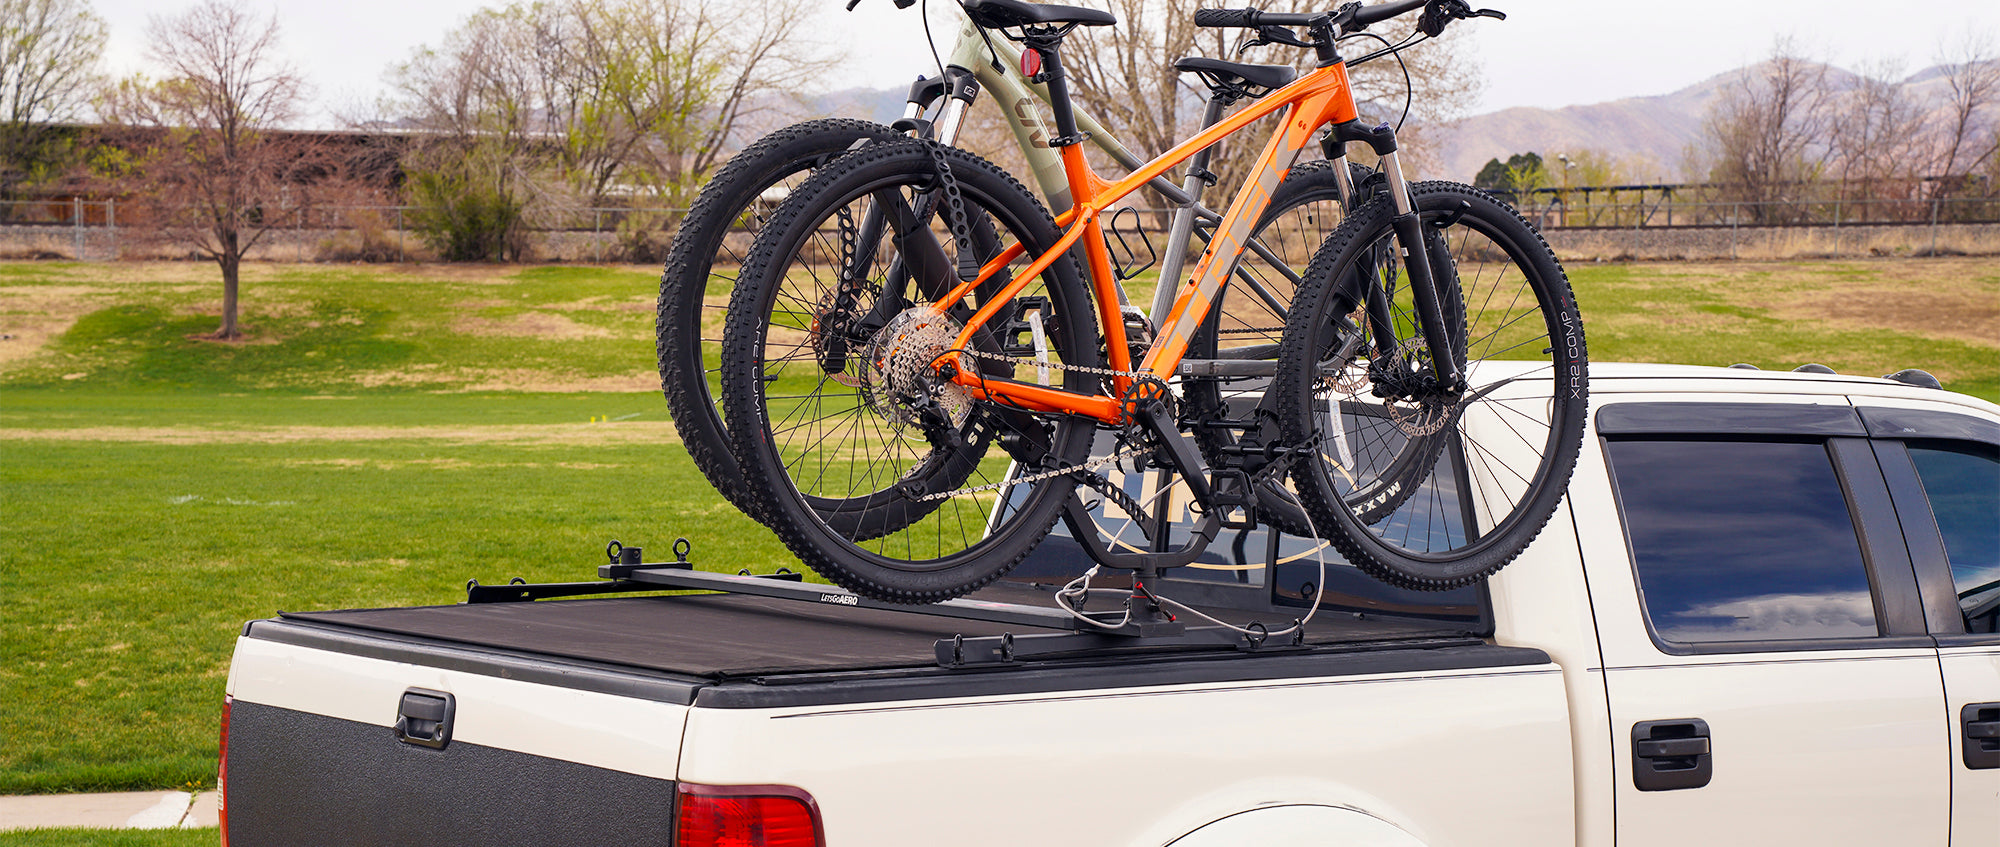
[(1739, 541), (1962, 481)]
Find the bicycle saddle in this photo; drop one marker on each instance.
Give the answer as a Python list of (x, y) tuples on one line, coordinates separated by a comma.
[(1238, 73), (1003, 14)]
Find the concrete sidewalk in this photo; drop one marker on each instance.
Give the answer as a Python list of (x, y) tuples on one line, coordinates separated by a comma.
[(127, 810)]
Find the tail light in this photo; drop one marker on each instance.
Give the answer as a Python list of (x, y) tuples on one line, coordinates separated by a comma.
[(747, 816), (222, 773)]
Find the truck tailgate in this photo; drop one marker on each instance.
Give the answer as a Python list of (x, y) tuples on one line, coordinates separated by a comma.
[(533, 744)]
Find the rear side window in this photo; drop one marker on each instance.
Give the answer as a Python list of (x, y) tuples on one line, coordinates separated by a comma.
[(1742, 540), (1962, 482)]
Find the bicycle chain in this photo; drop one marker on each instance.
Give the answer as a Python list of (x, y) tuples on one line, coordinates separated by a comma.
[(1091, 465), (1052, 473)]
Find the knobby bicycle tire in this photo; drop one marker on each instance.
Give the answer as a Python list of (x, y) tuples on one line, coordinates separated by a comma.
[(1512, 436), (701, 270), (814, 421)]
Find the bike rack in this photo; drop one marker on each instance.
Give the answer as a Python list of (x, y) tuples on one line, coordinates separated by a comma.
[(1146, 627)]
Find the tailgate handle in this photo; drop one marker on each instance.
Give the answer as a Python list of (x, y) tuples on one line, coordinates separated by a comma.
[(423, 718), (1981, 722), (1671, 755)]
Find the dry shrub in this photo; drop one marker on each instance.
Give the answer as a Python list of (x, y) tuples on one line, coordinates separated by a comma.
[(367, 240)]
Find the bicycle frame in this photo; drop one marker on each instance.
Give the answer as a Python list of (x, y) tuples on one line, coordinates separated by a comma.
[(1317, 99), (976, 52)]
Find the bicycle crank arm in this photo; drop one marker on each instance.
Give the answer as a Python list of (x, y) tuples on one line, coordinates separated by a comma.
[(1179, 449)]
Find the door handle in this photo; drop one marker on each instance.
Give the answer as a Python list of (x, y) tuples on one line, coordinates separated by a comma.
[(1671, 755), (1671, 748), (1981, 730)]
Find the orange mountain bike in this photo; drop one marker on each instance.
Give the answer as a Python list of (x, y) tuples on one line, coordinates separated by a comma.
[(915, 369)]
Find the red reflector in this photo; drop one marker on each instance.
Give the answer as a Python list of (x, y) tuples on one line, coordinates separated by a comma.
[(1031, 62), (222, 773), (747, 816)]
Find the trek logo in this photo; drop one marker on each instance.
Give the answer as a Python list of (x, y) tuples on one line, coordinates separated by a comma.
[(840, 599)]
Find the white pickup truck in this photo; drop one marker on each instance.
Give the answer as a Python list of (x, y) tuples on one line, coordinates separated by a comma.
[(1765, 616)]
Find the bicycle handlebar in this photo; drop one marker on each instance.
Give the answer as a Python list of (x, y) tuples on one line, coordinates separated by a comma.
[(1245, 18), (1376, 14), (1352, 17)]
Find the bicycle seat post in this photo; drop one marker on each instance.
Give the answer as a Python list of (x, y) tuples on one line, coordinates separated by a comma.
[(1048, 43)]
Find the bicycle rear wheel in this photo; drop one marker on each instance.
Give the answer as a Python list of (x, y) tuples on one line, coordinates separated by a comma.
[(701, 269), (873, 473), (1478, 471)]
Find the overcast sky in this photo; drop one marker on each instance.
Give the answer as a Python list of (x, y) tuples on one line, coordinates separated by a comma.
[(1548, 53)]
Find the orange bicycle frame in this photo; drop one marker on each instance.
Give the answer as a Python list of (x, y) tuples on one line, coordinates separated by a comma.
[(1317, 99)]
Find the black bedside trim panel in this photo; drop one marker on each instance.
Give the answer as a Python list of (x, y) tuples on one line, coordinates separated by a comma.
[(299, 778)]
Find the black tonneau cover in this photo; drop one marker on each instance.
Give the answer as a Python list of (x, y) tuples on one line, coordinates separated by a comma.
[(723, 636), (740, 651)]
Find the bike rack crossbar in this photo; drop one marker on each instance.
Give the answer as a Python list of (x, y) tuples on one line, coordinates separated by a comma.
[(626, 573), (674, 575)]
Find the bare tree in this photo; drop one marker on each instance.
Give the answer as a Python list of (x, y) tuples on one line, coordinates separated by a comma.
[(1124, 75), (638, 93), (49, 53), (1767, 133), (1872, 120), (210, 172), (1971, 131)]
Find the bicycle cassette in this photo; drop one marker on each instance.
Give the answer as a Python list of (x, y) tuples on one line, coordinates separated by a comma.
[(898, 373)]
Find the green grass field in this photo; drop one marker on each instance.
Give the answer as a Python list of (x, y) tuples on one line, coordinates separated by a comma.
[(110, 838), (388, 433)]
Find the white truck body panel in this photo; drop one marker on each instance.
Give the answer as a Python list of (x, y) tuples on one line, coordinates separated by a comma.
[(602, 730), (1416, 750)]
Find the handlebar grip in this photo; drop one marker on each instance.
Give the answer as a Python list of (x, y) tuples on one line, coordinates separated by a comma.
[(1225, 17), (1376, 14)]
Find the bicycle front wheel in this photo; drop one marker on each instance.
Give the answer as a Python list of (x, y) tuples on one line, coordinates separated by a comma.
[(874, 471), (1422, 484)]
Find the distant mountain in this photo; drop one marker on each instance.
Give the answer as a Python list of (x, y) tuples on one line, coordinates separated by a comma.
[(881, 105), (1658, 128)]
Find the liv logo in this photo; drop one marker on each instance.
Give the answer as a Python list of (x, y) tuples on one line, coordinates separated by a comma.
[(1030, 119)]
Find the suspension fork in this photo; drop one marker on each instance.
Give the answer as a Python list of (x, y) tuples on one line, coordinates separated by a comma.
[(1409, 228), (959, 88)]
